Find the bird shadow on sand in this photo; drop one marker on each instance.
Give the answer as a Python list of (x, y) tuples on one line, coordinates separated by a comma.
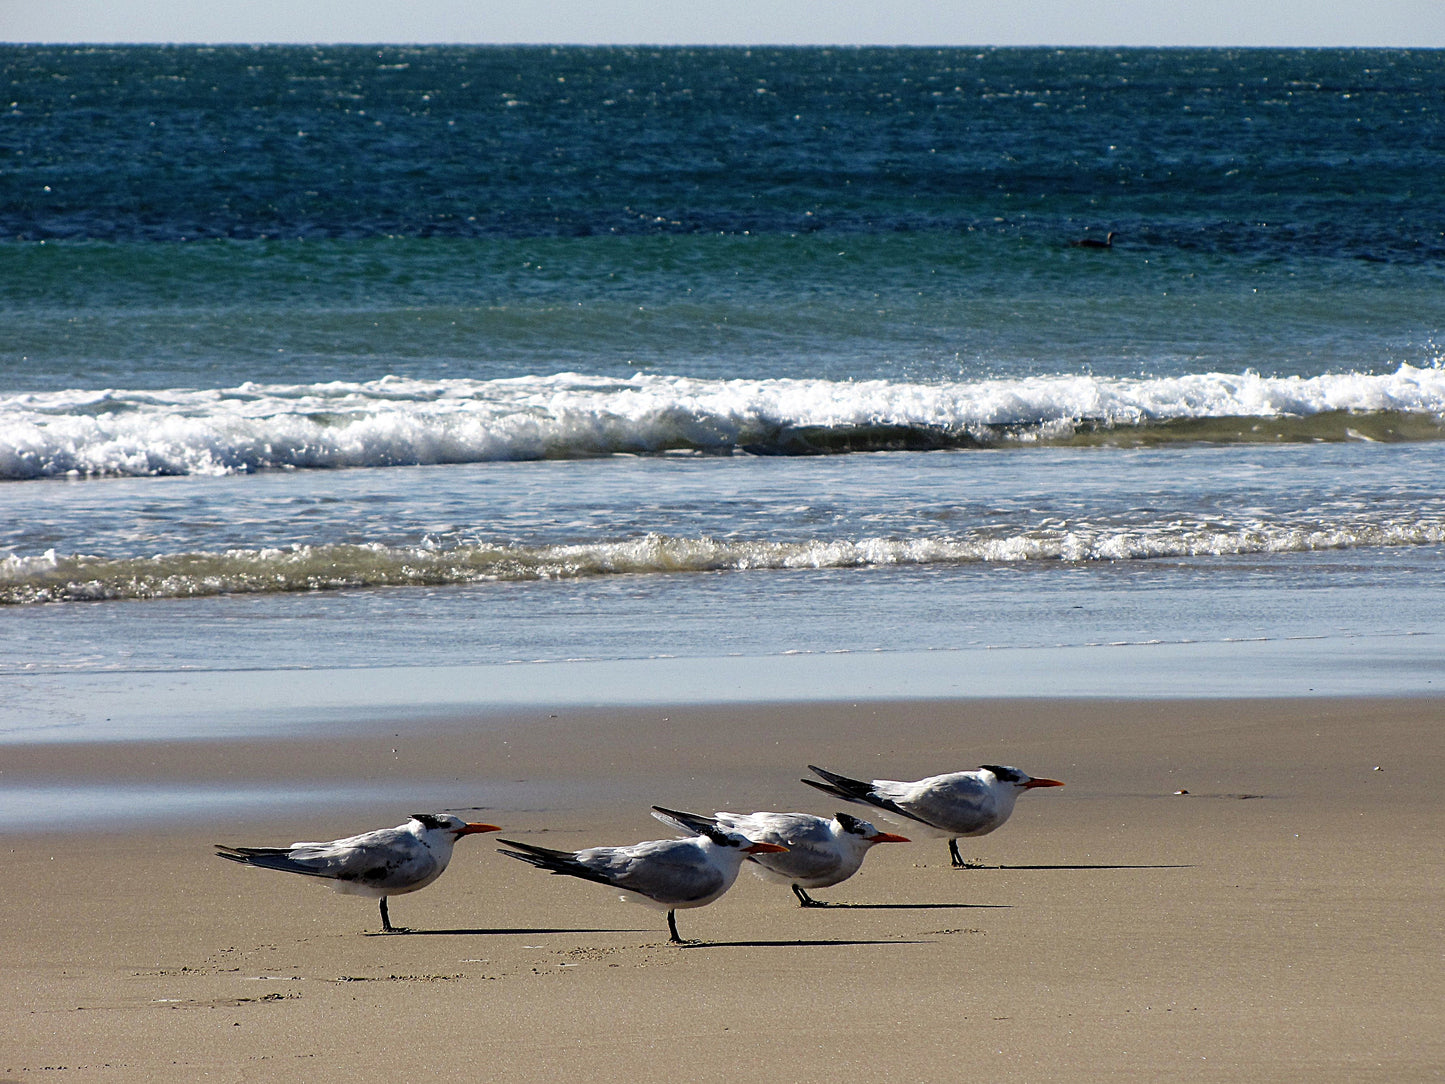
[(796, 943), (1110, 865), (907, 906), (524, 931)]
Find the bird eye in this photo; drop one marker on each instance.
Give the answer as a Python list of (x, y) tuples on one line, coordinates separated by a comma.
[(1004, 773)]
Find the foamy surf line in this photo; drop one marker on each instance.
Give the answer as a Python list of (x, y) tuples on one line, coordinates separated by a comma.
[(51, 577), (397, 421)]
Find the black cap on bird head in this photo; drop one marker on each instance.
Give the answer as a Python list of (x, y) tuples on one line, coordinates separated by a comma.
[(851, 824), (1005, 773)]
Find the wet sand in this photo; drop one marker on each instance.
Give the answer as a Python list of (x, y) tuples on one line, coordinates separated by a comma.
[(1280, 921)]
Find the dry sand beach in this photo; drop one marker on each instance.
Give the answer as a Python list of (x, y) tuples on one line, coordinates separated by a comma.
[(1280, 921)]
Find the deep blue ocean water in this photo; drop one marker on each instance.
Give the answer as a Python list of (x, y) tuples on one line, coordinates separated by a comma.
[(357, 358)]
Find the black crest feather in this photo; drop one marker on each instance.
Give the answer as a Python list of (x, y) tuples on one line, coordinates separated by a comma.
[(849, 823), (1007, 774)]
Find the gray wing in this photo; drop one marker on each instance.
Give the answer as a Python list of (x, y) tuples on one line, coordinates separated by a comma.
[(389, 858), (779, 828), (675, 872), (812, 850), (959, 802)]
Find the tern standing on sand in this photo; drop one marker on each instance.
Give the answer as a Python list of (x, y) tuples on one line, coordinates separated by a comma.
[(951, 806), (666, 874), (387, 862), (821, 852)]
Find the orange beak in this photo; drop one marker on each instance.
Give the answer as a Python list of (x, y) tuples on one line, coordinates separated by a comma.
[(765, 848), (888, 837), (473, 829), (1032, 783)]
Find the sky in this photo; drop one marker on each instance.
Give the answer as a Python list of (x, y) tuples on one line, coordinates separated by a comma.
[(1412, 23)]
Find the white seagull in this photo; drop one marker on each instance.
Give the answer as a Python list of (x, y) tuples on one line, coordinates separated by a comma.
[(821, 852), (666, 874), (951, 806), (387, 862)]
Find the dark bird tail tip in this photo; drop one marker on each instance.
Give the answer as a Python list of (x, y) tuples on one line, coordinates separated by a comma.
[(527, 849), (856, 787), (530, 852), (523, 856), (685, 817)]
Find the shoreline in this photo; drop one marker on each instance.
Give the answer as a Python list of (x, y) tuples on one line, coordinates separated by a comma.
[(190, 703)]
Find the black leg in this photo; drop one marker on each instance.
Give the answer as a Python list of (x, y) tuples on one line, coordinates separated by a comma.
[(805, 900), (672, 928), (386, 926), (958, 862)]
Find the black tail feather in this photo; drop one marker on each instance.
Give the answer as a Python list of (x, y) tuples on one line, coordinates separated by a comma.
[(844, 787), (561, 863), (692, 822), (277, 858), (828, 788), (855, 790), (241, 854), (539, 854)]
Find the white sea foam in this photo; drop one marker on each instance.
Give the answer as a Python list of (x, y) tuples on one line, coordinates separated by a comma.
[(56, 578), (401, 421)]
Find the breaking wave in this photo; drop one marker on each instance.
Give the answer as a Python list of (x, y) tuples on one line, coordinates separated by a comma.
[(396, 421), (52, 577)]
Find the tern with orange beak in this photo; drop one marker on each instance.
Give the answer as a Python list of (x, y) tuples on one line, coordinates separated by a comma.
[(666, 874), (387, 862), (821, 852), (951, 806)]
